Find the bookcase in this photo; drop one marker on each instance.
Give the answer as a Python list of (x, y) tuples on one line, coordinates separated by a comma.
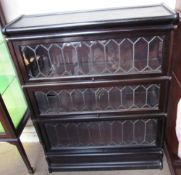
[(97, 84)]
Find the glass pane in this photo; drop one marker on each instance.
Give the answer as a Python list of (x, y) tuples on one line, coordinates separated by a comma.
[(84, 58), (97, 99), (112, 53), (155, 53), (151, 131), (127, 97), (57, 60), (10, 88), (139, 135), (105, 132), (42, 101), (65, 101), (72, 133), (71, 61), (98, 55), (2, 131), (153, 94), (77, 99), (6, 67), (115, 96), (15, 102), (141, 50), (5, 81), (102, 98), (131, 55), (128, 132), (53, 101), (42, 59), (126, 55), (1, 36), (90, 99), (140, 96), (117, 132), (84, 135), (30, 62)]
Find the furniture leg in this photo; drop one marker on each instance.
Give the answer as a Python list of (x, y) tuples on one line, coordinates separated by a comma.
[(24, 156)]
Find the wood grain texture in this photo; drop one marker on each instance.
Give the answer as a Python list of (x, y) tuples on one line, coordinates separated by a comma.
[(175, 95)]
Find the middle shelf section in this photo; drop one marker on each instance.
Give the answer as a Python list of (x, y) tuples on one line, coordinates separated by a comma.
[(141, 96)]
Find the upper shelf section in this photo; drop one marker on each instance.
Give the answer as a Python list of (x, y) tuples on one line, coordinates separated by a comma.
[(155, 14)]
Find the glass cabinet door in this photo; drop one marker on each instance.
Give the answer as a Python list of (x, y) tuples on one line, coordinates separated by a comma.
[(118, 98), (10, 89), (131, 55), (101, 134)]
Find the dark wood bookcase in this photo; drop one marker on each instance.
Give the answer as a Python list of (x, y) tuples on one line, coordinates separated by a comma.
[(97, 84)]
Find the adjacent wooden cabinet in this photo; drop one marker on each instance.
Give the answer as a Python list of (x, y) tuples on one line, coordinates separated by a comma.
[(175, 95), (97, 84)]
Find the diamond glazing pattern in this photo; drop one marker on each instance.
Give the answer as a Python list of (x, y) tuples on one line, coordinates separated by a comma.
[(104, 133), (118, 98), (113, 56)]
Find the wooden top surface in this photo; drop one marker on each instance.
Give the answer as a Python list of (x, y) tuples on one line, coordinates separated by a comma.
[(121, 16)]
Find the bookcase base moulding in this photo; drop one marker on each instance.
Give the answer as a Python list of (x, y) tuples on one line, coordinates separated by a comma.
[(97, 84)]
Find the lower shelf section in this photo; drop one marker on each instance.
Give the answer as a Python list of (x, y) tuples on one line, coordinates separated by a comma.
[(125, 159), (98, 133), (113, 142)]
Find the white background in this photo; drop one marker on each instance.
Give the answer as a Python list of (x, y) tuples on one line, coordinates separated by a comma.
[(14, 8)]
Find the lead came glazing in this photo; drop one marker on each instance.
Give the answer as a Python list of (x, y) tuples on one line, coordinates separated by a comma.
[(103, 133), (113, 56), (120, 98)]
